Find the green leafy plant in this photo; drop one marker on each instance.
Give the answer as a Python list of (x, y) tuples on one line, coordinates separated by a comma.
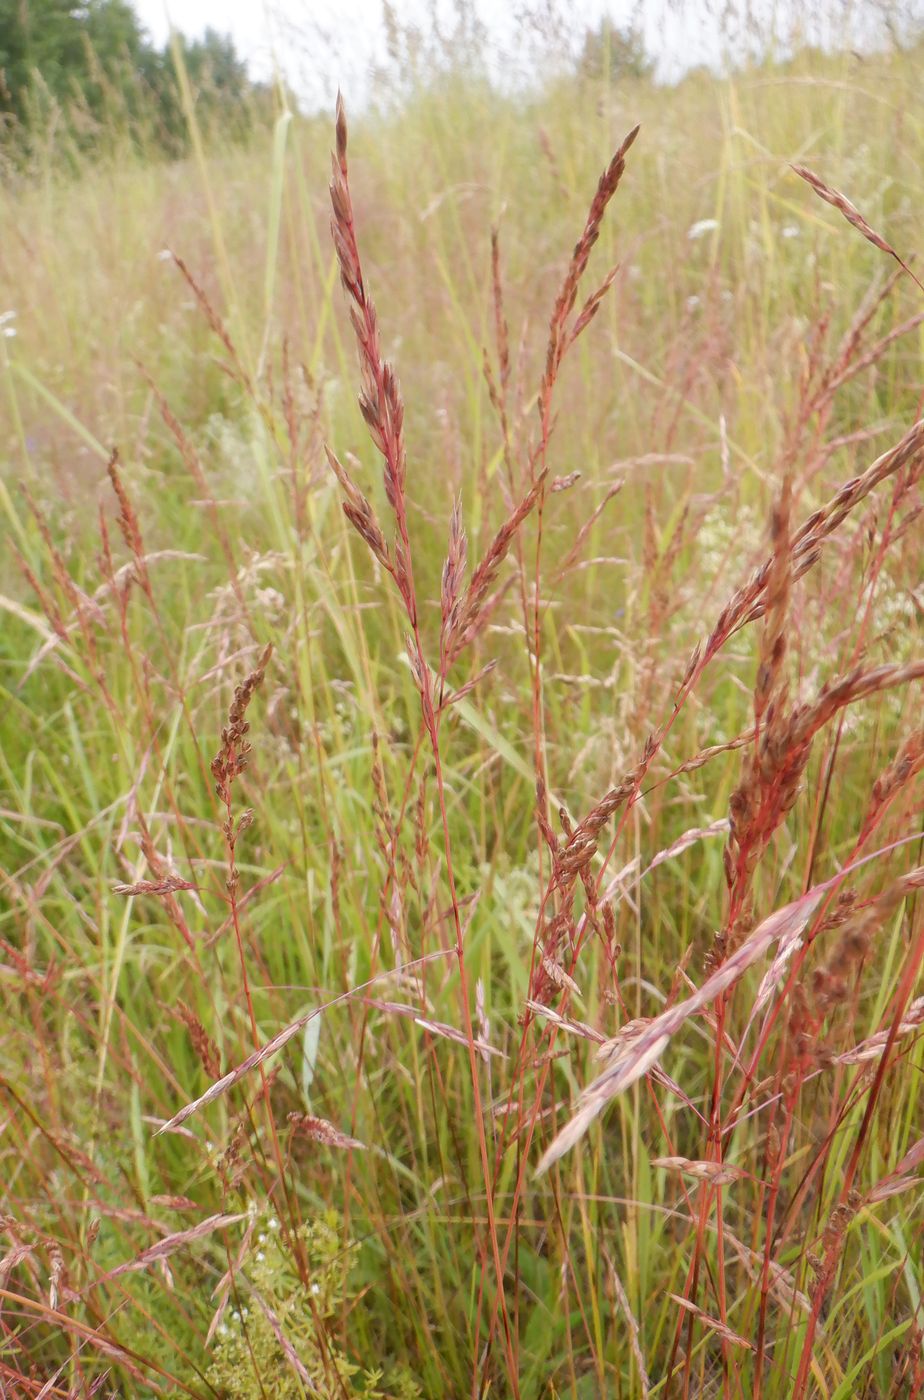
[(277, 1337)]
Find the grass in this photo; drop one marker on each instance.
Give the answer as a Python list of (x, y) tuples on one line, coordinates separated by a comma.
[(535, 1002)]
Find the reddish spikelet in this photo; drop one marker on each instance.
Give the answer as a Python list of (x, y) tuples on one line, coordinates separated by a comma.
[(852, 339), (769, 686), (59, 568), (748, 602), (167, 886), (306, 1125), (908, 452), (440, 1028), (454, 696), (186, 449), (558, 976), (578, 1028), (907, 763), (380, 398), (129, 524), (222, 1289), (385, 835), (770, 722), (231, 759), (104, 558), (164, 885), (228, 764), (873, 354), (202, 1042), (591, 306), (904, 1177), (451, 584), (170, 1244), (86, 615), (641, 1044), (583, 842), (473, 605), (846, 690), (716, 1173), (57, 1274), (215, 322), (853, 216), (48, 604), (498, 390), (560, 337), (583, 533), (421, 826), (17, 1252), (360, 513), (830, 983), (542, 820), (833, 1239), (772, 786), (272, 1047), (713, 1323), (698, 760)]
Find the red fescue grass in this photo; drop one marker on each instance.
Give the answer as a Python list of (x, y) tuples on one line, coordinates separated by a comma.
[(685, 1133), (773, 770)]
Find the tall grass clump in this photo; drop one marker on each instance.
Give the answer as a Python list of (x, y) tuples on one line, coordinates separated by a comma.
[(460, 833)]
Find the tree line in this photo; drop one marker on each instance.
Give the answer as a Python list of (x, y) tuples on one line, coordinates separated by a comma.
[(94, 61)]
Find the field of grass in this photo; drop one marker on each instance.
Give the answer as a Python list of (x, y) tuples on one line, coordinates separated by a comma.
[(538, 1010)]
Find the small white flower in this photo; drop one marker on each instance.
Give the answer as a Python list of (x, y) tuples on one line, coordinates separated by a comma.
[(692, 303), (273, 1223), (315, 1288), (701, 227), (6, 316), (9, 332), (164, 255), (260, 1256), (791, 231)]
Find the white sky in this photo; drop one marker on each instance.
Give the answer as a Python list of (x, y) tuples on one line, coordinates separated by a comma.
[(321, 44)]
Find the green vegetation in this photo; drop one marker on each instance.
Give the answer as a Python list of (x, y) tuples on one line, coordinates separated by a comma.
[(93, 64), (459, 947)]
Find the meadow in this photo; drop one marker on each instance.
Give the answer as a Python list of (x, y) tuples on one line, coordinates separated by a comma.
[(460, 851)]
